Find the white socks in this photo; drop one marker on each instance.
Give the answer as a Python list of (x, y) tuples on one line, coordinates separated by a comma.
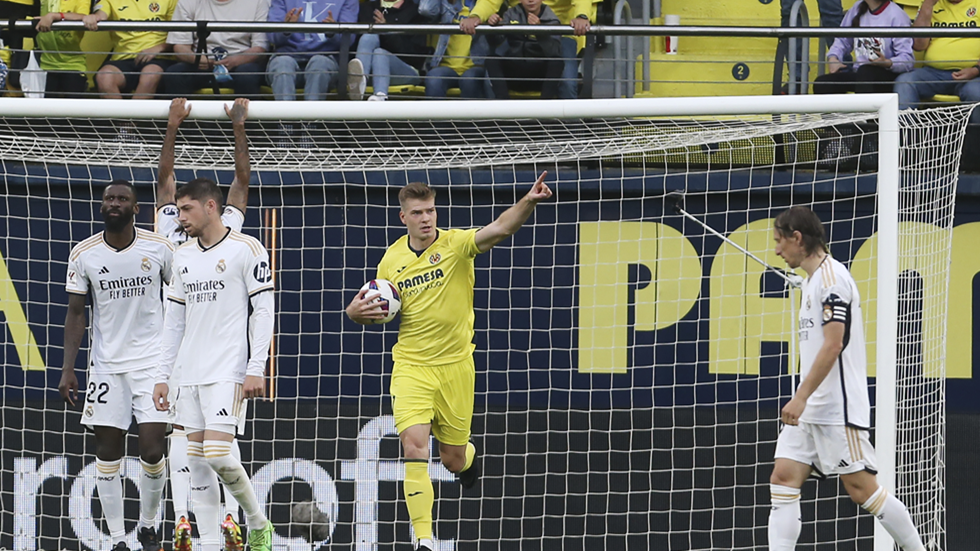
[(894, 517), (206, 497), (785, 520), (232, 474), (111, 497), (152, 483), (180, 474), (231, 504)]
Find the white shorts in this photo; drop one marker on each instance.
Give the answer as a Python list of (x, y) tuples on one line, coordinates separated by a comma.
[(172, 413), (217, 406), (829, 449), (113, 399)]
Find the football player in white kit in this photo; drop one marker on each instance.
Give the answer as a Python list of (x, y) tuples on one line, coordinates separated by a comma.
[(826, 423), (220, 321), (233, 216), (122, 269)]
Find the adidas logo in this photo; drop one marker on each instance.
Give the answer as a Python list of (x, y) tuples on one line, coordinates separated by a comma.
[(222, 413), (184, 470), (183, 270), (103, 271), (842, 464)]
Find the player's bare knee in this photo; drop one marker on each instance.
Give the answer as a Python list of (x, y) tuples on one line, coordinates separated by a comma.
[(452, 460)]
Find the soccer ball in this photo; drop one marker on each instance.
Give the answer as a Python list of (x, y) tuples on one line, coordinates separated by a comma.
[(385, 292)]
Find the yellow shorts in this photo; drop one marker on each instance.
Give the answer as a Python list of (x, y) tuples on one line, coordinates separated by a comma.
[(442, 396)]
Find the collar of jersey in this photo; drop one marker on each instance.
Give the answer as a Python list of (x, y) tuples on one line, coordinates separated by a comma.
[(418, 254), (126, 248), (220, 241)]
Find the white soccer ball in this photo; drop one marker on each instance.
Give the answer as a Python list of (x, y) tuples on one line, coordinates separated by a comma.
[(385, 292)]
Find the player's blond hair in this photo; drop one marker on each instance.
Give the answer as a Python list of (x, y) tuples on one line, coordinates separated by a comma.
[(415, 190)]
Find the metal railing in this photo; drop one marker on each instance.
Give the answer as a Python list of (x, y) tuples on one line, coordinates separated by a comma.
[(623, 67)]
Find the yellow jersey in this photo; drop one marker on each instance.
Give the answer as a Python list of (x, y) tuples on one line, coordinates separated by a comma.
[(130, 43), (62, 49), (436, 289), (952, 54), (457, 55)]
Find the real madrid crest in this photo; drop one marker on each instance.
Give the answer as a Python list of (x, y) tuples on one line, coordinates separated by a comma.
[(808, 302), (435, 258), (828, 312), (145, 265), (89, 411), (220, 268)]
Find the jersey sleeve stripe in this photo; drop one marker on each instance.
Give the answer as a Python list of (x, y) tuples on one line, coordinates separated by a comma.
[(81, 249), (175, 299), (79, 293), (248, 240), (262, 290)]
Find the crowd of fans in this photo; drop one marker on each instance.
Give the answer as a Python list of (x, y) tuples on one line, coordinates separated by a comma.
[(147, 64)]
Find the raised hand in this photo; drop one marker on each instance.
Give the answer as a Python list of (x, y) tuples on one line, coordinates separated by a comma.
[(238, 112), (179, 109), (540, 191)]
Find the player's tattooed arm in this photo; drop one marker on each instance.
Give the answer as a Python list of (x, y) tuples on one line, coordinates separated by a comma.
[(238, 194), (166, 182)]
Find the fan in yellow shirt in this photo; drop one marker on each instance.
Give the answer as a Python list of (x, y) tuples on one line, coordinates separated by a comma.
[(433, 379), (61, 51), (952, 65), (136, 65)]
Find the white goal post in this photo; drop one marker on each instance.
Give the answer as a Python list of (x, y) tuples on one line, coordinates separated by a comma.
[(622, 145)]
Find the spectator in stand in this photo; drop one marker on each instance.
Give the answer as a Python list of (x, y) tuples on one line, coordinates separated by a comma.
[(306, 60), (61, 56), (388, 58), (457, 60), (234, 58), (577, 14), (525, 59), (136, 64), (831, 14), (877, 61), (951, 64)]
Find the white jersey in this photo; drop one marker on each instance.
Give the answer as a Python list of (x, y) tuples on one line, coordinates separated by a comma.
[(831, 296), (215, 285), (169, 227), (127, 300)]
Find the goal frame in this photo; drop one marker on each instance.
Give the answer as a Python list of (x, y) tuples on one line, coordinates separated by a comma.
[(885, 105)]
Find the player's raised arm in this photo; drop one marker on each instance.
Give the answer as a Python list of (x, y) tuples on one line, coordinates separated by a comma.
[(513, 218), (166, 182), (238, 194), (74, 330)]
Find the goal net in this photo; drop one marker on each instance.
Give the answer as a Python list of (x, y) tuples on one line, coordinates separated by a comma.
[(630, 364)]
